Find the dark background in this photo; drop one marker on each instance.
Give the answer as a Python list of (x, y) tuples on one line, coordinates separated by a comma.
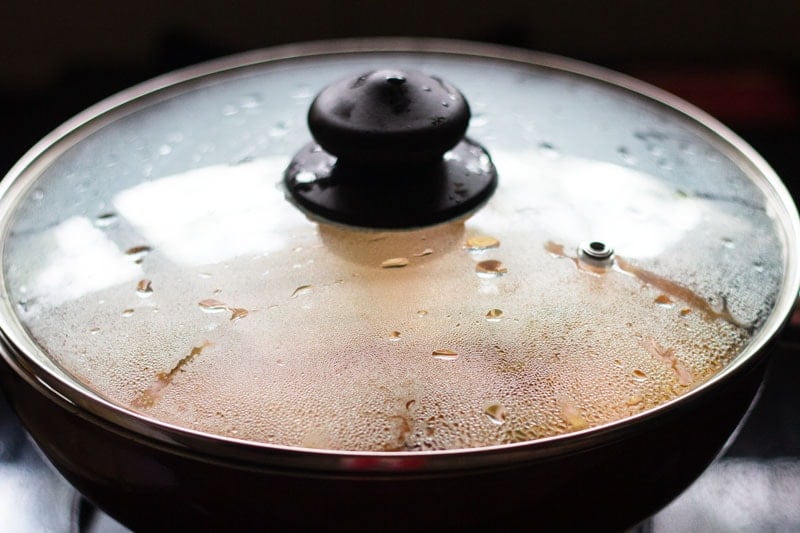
[(737, 59)]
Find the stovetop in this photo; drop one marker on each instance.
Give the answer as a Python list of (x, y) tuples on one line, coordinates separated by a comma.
[(753, 487)]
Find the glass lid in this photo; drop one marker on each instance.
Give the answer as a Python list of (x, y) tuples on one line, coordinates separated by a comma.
[(629, 252)]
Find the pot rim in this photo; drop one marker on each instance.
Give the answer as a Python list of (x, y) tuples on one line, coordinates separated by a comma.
[(49, 379)]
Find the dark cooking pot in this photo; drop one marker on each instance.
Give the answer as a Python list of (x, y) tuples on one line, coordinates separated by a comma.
[(581, 159)]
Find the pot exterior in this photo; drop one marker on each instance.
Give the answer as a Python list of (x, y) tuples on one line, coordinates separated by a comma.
[(608, 485)]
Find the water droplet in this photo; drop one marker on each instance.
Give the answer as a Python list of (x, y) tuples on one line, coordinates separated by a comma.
[(493, 315), (626, 156), (638, 375), (105, 220), (212, 306), (548, 150), (490, 268), (237, 313), (279, 130), (164, 149), (394, 336), (204, 275), (426, 88), (422, 312), (481, 242), (571, 414), (478, 120), (229, 110), (302, 289), (144, 288), (127, 312), (758, 267), (94, 331), (685, 311), (395, 262), (634, 400), (301, 92), (445, 355), (727, 242), (37, 195), (496, 413), (664, 301), (423, 253), (250, 101), (138, 253)]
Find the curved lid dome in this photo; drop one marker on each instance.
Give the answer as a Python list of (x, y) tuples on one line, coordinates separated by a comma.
[(629, 252)]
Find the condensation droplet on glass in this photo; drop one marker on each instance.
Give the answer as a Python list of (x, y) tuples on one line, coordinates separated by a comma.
[(37, 195), (279, 130), (301, 92), (638, 375), (478, 121), (728, 243), (481, 242), (164, 149), (445, 354), (493, 315), (94, 331), (547, 149), (395, 262), (490, 268), (238, 313), (496, 413), (422, 312), (626, 155), (634, 400), (211, 305), (250, 101), (663, 300), (394, 336), (104, 220), (229, 110), (144, 288), (127, 312), (685, 311), (758, 267), (204, 275), (138, 253), (302, 289), (175, 137), (423, 253)]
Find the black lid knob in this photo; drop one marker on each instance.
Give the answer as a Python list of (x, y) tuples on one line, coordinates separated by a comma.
[(390, 153), (389, 117)]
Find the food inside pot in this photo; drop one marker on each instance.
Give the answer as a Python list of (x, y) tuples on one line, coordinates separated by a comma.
[(245, 319)]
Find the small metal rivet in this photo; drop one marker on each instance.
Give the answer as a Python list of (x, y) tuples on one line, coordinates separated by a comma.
[(596, 251)]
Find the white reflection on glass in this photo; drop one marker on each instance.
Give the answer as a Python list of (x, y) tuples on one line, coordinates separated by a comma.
[(207, 215), (80, 260), (573, 199)]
